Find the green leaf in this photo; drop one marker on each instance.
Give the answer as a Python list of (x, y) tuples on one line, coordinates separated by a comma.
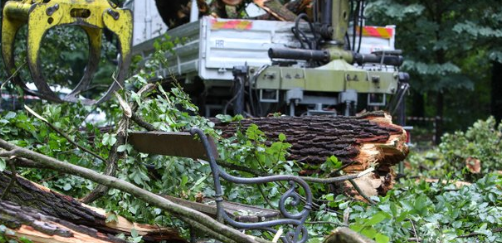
[(377, 218), (369, 232), (224, 118), (135, 236), (356, 227), (198, 182), (330, 197), (379, 238), (123, 148), (282, 137), (10, 115), (108, 139), (67, 187), (139, 177), (184, 180)]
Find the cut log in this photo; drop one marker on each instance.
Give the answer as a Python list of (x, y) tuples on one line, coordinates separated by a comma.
[(39, 227), (64, 219), (358, 142), (276, 9)]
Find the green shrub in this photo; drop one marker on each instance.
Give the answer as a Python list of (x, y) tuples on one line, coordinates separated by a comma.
[(480, 142)]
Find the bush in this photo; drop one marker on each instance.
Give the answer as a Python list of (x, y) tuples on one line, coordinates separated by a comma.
[(480, 143)]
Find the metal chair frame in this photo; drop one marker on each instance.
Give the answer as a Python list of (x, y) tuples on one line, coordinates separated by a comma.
[(297, 220)]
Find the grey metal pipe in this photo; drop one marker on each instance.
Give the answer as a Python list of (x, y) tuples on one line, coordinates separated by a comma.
[(299, 54), (372, 58)]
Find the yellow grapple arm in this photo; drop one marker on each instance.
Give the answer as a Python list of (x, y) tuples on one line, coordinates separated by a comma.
[(41, 15)]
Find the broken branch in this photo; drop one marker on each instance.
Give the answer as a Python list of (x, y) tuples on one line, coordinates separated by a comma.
[(149, 197)]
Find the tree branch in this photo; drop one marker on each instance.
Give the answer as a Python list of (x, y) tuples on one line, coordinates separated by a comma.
[(354, 184), (142, 123), (149, 197), (26, 163), (113, 155), (337, 179)]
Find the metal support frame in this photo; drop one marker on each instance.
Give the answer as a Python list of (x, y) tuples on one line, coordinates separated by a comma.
[(240, 74), (296, 220)]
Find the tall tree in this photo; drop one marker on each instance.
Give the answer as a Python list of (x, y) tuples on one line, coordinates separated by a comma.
[(447, 46)]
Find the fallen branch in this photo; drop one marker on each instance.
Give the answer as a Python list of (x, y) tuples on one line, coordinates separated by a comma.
[(338, 178), (121, 134), (215, 228)]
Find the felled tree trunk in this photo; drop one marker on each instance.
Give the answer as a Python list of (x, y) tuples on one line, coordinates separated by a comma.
[(276, 9), (177, 12), (43, 215), (358, 142)]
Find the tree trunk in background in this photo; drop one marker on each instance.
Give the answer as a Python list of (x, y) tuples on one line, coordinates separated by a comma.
[(496, 103), (439, 117), (418, 105)]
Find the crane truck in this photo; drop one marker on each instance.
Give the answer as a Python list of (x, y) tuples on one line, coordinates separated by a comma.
[(320, 63)]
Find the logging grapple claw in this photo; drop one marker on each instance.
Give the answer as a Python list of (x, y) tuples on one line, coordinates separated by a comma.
[(91, 15)]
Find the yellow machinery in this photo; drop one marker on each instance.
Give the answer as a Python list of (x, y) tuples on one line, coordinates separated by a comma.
[(91, 15)]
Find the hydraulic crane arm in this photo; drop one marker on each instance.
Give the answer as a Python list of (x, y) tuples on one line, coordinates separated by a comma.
[(40, 15)]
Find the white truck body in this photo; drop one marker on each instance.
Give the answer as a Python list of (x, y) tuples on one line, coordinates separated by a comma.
[(147, 22), (214, 46)]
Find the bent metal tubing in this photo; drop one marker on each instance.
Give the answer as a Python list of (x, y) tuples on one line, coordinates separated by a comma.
[(297, 220), (91, 15)]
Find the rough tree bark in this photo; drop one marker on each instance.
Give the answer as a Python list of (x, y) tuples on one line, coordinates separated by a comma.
[(276, 9), (358, 142), (44, 215)]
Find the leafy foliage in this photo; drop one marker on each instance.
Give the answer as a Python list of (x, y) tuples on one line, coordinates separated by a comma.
[(448, 47), (461, 150), (430, 212)]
